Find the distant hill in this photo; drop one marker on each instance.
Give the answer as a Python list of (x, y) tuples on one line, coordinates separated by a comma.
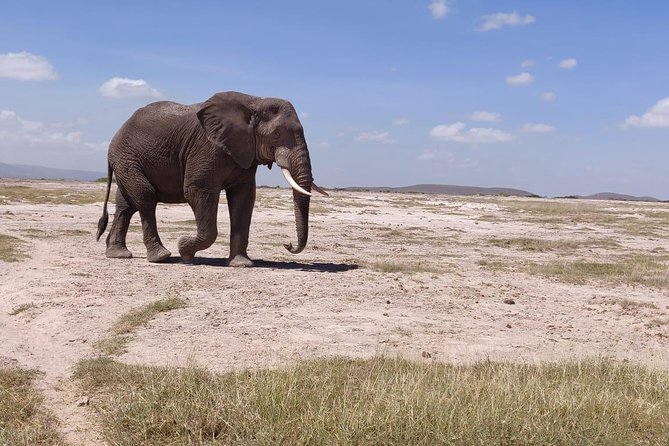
[(47, 173), (614, 196), (448, 189)]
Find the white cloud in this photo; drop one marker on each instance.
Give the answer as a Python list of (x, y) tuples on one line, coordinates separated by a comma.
[(98, 146), (26, 67), (380, 137), (122, 88), (7, 115), (459, 133), (520, 79), (568, 64), (304, 115), (485, 116), (439, 9), (500, 19), (527, 63), (549, 96), (656, 116), (431, 155), (17, 131), (538, 128), (401, 121)]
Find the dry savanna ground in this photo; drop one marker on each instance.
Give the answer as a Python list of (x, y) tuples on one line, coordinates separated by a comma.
[(433, 279)]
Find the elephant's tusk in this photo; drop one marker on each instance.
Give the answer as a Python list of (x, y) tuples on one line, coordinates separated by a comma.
[(293, 183), (315, 187)]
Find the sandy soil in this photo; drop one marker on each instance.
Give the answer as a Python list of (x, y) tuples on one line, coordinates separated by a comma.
[(330, 299)]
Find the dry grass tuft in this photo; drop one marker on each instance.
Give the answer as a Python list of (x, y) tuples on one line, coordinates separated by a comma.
[(405, 267), (630, 304), (22, 308), (23, 421), (10, 249), (382, 401), (541, 245), (120, 333)]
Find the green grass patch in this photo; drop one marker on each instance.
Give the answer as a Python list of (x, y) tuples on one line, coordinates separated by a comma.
[(381, 401), (23, 420), (120, 332), (10, 249), (28, 194)]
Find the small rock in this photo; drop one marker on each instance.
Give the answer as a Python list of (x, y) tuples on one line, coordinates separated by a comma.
[(83, 401), (426, 355), (509, 301), (388, 301), (508, 325), (386, 314)]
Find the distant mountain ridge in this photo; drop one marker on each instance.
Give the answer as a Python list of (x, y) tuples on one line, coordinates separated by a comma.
[(24, 171), (449, 189), (615, 196)]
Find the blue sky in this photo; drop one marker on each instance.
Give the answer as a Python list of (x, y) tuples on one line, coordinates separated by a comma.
[(555, 97)]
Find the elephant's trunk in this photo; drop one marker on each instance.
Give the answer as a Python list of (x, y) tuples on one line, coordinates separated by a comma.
[(297, 162)]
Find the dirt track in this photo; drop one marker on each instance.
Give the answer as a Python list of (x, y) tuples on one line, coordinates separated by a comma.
[(332, 298)]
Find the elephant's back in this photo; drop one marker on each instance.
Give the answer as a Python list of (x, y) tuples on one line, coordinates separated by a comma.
[(151, 142), (163, 116)]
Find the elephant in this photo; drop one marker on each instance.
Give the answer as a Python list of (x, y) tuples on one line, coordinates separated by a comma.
[(174, 153)]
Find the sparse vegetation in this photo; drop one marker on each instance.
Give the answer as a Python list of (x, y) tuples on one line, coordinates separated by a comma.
[(632, 270), (41, 234), (10, 249), (23, 421), (657, 322), (28, 194), (403, 267), (382, 401), (630, 305), (120, 333), (540, 245)]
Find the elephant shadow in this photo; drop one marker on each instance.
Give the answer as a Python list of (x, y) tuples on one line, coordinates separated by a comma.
[(272, 264)]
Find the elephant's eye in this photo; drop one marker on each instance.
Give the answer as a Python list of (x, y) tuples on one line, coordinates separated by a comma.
[(277, 133)]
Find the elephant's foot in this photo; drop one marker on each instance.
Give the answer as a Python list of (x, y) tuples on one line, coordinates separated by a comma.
[(118, 252), (158, 254), (185, 250), (240, 261)]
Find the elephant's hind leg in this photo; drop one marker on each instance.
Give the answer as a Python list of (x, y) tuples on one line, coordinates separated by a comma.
[(142, 195), (205, 208), (116, 248), (155, 251)]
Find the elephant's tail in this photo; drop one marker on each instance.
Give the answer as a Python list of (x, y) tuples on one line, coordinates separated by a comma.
[(102, 223)]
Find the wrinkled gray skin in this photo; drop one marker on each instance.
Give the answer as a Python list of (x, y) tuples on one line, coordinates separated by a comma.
[(173, 153)]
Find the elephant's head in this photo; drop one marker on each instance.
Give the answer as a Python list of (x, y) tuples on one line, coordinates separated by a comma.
[(254, 131)]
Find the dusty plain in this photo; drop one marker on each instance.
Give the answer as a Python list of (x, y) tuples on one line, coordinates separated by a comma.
[(428, 277)]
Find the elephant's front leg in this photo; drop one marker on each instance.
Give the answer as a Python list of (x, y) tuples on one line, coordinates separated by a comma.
[(241, 200), (205, 207)]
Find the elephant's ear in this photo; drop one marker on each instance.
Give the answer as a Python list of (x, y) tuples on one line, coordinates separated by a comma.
[(227, 121)]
